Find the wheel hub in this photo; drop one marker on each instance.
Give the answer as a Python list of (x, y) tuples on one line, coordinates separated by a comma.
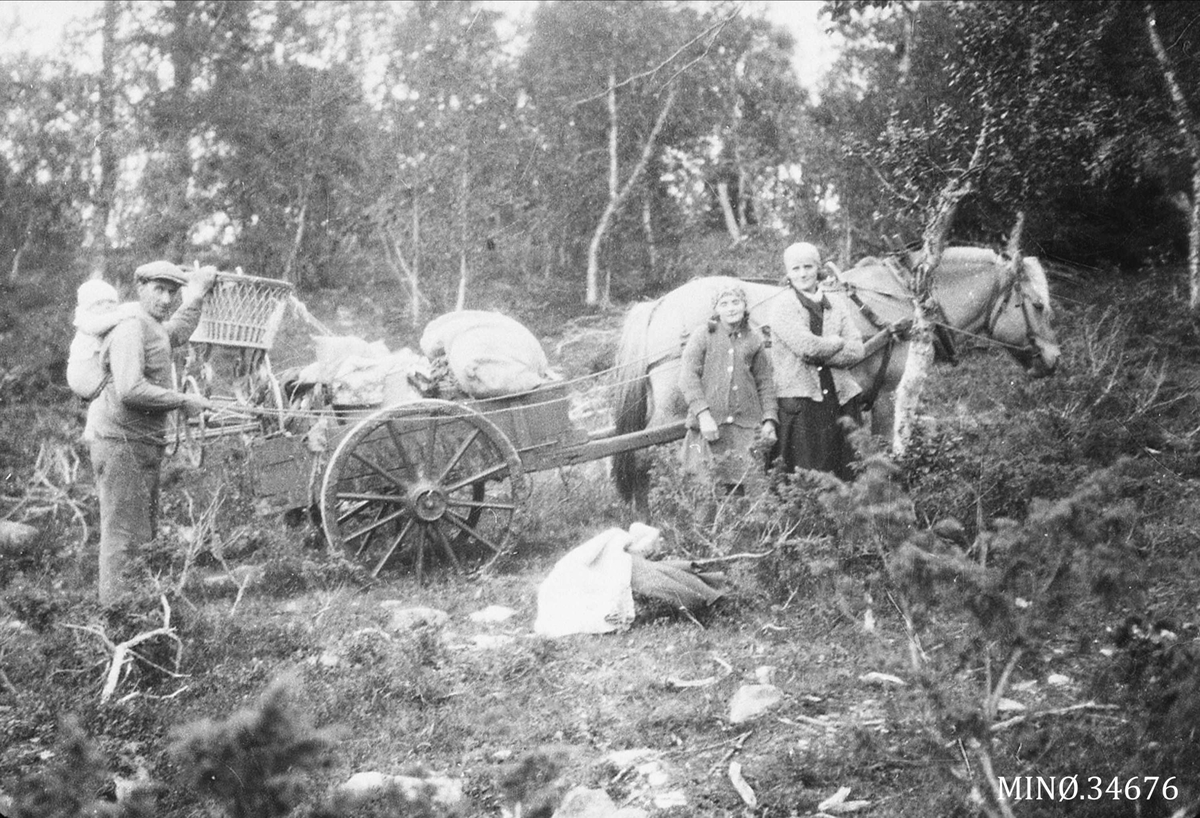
[(429, 503)]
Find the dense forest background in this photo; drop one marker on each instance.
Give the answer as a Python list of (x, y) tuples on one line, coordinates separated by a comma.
[(1009, 599), (593, 154)]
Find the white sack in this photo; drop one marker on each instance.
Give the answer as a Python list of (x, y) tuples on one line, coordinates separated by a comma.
[(375, 381), (588, 590), (332, 351), (489, 353)]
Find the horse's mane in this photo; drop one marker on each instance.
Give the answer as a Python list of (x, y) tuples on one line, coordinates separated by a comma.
[(1035, 274)]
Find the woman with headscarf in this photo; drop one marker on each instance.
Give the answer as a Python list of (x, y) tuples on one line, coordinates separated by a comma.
[(726, 380), (814, 343)]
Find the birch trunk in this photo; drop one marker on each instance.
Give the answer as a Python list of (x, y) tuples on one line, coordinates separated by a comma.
[(920, 346), (1185, 120), (407, 273), (106, 159), (14, 270), (414, 273), (731, 223), (183, 60), (592, 297), (460, 302), (298, 239), (617, 197), (651, 238)]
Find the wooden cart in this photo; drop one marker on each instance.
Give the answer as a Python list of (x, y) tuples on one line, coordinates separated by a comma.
[(434, 481), (422, 483)]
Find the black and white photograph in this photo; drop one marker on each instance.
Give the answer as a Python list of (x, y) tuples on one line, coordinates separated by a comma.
[(599, 408)]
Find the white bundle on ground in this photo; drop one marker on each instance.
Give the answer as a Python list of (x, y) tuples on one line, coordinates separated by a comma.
[(588, 590), (488, 353), (591, 588)]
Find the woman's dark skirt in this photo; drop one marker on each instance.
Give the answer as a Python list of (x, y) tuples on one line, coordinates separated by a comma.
[(811, 435)]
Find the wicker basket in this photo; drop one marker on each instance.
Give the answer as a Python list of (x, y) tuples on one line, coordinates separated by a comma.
[(243, 311)]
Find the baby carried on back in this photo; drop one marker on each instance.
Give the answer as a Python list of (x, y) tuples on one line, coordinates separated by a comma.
[(97, 311)]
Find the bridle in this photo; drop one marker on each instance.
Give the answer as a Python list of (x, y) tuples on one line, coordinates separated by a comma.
[(1017, 288)]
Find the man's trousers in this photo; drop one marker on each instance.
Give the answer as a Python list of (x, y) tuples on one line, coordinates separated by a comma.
[(127, 476)]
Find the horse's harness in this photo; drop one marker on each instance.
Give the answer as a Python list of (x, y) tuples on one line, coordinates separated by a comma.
[(1016, 289), (889, 334)]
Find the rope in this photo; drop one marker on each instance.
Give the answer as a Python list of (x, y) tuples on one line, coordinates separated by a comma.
[(649, 361)]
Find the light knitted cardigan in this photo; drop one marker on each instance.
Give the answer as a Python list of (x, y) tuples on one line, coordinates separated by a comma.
[(798, 354)]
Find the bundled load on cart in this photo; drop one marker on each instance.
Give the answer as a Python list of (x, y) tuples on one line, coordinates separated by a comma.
[(259, 346)]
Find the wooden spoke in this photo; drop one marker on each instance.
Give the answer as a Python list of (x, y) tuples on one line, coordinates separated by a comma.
[(401, 537), (351, 512), (367, 496), (362, 546), (375, 467), (401, 454), (465, 526), (420, 547), (456, 503), (431, 439), (466, 444), (479, 477), (379, 522), (447, 548), (424, 485)]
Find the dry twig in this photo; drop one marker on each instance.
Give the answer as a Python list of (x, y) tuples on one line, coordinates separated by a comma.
[(123, 653)]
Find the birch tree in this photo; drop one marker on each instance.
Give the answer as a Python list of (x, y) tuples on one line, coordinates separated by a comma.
[(106, 151), (452, 151), (1185, 121), (612, 86)]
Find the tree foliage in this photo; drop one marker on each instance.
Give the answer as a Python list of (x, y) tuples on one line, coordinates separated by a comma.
[(427, 143)]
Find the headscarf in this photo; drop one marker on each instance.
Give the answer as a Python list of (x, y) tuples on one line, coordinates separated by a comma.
[(802, 252), (729, 288)]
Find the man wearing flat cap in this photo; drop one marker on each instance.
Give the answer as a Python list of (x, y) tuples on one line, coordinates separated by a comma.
[(126, 424)]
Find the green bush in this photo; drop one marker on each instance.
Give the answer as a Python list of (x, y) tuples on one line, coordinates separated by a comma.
[(259, 761), (70, 785)]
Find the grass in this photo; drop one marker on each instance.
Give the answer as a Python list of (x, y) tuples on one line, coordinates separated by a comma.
[(521, 719)]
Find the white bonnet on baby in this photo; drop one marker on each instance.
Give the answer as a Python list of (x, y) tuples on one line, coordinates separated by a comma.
[(94, 291)]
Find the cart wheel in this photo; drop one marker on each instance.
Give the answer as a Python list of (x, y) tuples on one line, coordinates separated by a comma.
[(424, 483)]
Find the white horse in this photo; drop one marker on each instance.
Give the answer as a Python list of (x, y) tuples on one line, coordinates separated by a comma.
[(979, 292)]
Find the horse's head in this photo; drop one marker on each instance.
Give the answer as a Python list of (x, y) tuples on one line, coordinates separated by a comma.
[(1021, 319)]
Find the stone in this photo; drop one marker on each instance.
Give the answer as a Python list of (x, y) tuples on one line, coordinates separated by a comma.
[(882, 679), (751, 701), (488, 641), (493, 614), (582, 802), (413, 618), (439, 789), (15, 537)]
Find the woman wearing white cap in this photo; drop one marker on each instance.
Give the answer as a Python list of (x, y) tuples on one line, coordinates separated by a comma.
[(815, 342)]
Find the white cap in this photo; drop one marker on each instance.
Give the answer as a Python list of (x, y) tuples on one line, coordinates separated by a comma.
[(95, 291)]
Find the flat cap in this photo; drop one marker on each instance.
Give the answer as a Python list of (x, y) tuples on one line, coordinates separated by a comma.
[(160, 271)]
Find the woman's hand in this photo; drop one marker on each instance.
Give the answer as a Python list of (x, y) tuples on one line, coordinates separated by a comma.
[(768, 432), (708, 427)]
